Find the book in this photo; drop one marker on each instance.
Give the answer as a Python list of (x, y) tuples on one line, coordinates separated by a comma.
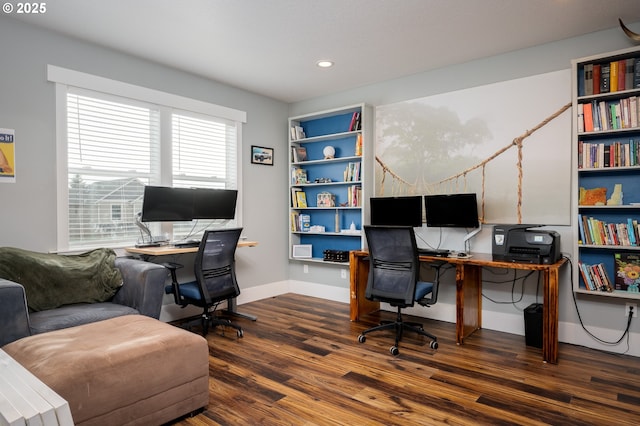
[(605, 78), (622, 74), (588, 79), (628, 77), (305, 223), (294, 197), (301, 199), (613, 73), (299, 153), (627, 267), (596, 79), (298, 176), (588, 117)]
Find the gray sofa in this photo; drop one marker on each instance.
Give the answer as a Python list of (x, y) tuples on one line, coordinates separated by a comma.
[(141, 293)]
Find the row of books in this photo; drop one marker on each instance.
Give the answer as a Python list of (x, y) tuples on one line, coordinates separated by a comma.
[(352, 172), (298, 176), (597, 232), (610, 76), (298, 154), (356, 122), (626, 270), (297, 133), (354, 195), (298, 198), (604, 155), (595, 277), (300, 222), (596, 116)]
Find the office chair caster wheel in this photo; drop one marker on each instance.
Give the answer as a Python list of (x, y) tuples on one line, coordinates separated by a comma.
[(394, 350), (362, 338), (240, 333), (434, 345)]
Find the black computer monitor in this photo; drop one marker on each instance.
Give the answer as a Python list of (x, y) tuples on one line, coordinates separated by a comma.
[(214, 203), (396, 211), (451, 210), (166, 204)]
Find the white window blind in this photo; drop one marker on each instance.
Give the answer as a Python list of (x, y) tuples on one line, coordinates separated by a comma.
[(112, 147), (115, 146)]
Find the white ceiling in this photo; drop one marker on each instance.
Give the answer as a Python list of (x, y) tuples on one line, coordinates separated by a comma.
[(271, 47)]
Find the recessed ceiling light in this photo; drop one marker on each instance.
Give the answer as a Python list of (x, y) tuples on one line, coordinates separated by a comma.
[(324, 64)]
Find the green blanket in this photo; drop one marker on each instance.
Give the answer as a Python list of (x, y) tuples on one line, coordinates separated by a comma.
[(53, 280)]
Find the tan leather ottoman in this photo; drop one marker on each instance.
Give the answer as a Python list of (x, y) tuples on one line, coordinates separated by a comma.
[(122, 371)]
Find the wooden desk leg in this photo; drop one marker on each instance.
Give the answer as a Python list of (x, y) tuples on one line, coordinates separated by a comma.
[(358, 274), (550, 317), (468, 300)]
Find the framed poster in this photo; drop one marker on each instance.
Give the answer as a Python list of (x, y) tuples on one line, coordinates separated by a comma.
[(261, 155)]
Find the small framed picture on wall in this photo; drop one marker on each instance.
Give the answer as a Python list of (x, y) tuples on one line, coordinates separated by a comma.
[(261, 155)]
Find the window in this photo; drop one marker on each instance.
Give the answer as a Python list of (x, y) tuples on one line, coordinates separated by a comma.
[(110, 146)]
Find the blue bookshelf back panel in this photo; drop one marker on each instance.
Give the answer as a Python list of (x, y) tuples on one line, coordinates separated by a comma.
[(325, 126), (344, 147), (606, 257), (327, 218), (321, 243), (630, 183)]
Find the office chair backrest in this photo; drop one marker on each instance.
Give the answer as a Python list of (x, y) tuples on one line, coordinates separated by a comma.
[(214, 266), (393, 264)]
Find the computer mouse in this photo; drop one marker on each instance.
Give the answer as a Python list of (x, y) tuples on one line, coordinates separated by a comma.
[(462, 254)]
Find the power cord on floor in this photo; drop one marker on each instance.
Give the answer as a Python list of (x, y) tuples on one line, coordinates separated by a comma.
[(604, 342)]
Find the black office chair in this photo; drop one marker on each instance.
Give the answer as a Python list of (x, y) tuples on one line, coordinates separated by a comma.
[(215, 273), (394, 271)]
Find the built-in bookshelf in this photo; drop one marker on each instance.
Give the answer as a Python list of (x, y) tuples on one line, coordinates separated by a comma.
[(606, 146), (329, 183)]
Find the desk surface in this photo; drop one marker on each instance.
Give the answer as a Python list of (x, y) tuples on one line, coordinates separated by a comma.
[(483, 259), (169, 249)]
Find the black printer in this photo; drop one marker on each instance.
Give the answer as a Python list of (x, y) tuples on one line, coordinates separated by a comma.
[(521, 244)]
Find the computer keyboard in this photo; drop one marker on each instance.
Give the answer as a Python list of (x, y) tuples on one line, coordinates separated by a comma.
[(433, 252), (186, 244)]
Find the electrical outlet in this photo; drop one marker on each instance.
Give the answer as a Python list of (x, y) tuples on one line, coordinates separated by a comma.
[(305, 269), (343, 274), (635, 309)]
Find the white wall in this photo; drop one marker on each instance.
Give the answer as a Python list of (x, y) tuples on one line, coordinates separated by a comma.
[(604, 317), (27, 104), (27, 208)]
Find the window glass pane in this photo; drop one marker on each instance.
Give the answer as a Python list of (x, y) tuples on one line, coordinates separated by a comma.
[(109, 147), (204, 156), (114, 148)]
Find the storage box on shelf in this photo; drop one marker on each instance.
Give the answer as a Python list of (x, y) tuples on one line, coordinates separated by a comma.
[(328, 182), (606, 142)]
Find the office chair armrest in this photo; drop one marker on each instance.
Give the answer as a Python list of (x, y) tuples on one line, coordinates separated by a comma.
[(172, 266), (174, 287), (428, 301)]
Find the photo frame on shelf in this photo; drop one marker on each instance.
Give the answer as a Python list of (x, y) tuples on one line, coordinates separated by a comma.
[(261, 155)]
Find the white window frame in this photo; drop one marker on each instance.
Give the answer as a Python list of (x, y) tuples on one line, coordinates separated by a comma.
[(65, 78)]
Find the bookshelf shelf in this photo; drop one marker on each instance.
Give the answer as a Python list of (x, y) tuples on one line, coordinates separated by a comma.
[(606, 146), (335, 189)]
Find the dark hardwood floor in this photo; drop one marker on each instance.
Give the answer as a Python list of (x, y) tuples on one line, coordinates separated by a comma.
[(301, 364)]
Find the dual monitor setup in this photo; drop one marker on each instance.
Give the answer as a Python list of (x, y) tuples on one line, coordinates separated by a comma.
[(167, 204), (441, 211)]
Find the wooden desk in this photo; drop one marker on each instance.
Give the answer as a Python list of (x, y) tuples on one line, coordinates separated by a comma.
[(169, 249), (469, 294), (147, 252)]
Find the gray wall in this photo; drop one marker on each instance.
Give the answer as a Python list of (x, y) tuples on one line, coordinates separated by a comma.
[(28, 207), (603, 315), (27, 104)]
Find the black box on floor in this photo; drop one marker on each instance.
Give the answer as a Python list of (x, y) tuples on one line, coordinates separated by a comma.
[(533, 325)]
